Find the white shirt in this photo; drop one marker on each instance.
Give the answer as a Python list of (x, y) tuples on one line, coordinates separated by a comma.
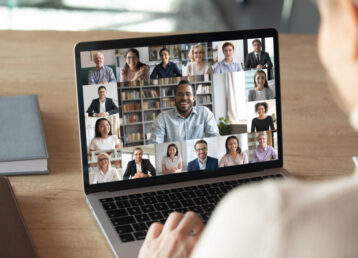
[(285, 219), (102, 106), (169, 163), (139, 166), (202, 166), (104, 143), (100, 177)]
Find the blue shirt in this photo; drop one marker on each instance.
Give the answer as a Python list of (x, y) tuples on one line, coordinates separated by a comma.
[(223, 67), (202, 166), (170, 126), (96, 76), (171, 70)]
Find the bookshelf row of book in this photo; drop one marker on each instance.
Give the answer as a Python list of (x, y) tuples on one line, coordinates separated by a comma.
[(206, 99), (129, 119), (151, 104), (165, 81), (150, 116), (130, 95), (150, 93), (135, 137), (131, 107), (202, 89)]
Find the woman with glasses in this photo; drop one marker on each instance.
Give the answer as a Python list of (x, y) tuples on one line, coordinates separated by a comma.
[(104, 173)]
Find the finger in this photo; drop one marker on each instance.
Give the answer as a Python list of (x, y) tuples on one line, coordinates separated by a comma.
[(172, 221), (191, 223), (154, 230)]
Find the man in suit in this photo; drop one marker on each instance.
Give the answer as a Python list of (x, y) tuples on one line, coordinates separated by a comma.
[(203, 161), (139, 167), (257, 59), (102, 106)]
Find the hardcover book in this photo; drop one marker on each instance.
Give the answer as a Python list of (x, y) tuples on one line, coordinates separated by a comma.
[(22, 140)]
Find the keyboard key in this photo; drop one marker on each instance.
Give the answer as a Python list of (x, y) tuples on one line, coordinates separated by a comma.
[(196, 209), (174, 205), (140, 235), (136, 202), (120, 198), (134, 210), (123, 221), (117, 213), (163, 198), (201, 193), (208, 207), (155, 215), (214, 191), (135, 196), (147, 208), (140, 226), (200, 201), (189, 195), (177, 190), (182, 210), (124, 229), (126, 238), (213, 199), (205, 217), (142, 217), (109, 206), (190, 188), (187, 202), (106, 200), (162, 221), (176, 196), (149, 200), (161, 206), (123, 204), (149, 194)]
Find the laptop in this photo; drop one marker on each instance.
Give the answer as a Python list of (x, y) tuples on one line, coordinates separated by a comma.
[(172, 123)]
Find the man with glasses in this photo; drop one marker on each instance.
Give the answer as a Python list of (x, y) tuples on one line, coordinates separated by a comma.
[(101, 74), (186, 121), (203, 161)]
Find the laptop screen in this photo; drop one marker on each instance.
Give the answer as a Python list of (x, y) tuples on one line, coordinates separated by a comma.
[(178, 107)]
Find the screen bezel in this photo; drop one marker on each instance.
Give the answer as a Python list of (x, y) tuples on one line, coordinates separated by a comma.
[(168, 40)]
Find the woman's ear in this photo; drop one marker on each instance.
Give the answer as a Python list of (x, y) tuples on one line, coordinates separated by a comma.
[(350, 9)]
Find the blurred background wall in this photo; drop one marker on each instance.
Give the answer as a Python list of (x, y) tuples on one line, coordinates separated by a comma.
[(288, 16)]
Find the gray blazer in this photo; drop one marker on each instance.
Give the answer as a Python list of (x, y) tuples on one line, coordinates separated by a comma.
[(268, 94)]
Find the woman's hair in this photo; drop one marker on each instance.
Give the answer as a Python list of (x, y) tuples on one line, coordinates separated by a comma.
[(97, 133), (191, 52), (107, 156), (228, 44), (137, 148), (264, 104), (261, 72), (164, 49), (176, 148), (238, 150), (135, 51)]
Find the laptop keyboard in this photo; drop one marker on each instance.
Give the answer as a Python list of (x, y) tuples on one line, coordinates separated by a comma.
[(131, 215)]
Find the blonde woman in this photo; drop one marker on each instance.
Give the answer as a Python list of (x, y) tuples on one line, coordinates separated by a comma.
[(198, 65), (104, 173)]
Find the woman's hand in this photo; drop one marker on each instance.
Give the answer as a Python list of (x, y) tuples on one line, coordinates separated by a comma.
[(176, 238)]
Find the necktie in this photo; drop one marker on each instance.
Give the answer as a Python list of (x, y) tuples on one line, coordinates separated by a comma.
[(257, 58)]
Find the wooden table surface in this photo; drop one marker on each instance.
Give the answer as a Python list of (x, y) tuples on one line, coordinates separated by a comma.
[(318, 141)]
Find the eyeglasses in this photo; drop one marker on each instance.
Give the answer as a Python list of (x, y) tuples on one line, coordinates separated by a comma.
[(202, 149), (102, 159)]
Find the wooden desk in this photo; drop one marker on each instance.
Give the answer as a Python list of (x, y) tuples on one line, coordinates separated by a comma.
[(318, 141)]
